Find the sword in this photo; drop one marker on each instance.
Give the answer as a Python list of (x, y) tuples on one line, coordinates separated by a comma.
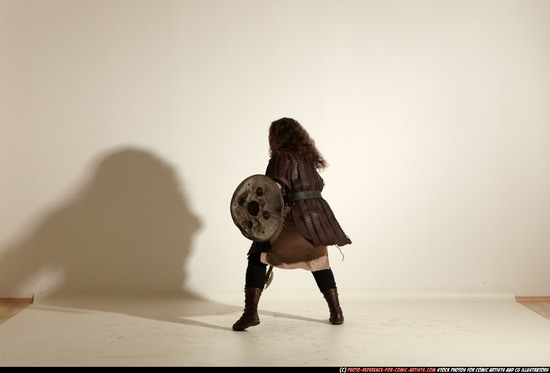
[(269, 276)]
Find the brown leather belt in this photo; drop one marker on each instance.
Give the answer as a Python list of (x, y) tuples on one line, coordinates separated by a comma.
[(297, 196)]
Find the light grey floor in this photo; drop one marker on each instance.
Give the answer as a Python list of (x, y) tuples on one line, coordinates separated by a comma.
[(183, 330)]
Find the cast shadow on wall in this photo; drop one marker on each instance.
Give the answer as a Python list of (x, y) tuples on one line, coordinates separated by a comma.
[(128, 231)]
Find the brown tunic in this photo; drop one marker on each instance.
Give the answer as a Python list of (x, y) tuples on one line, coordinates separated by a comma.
[(310, 225)]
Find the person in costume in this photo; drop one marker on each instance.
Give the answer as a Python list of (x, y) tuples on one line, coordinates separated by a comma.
[(309, 225)]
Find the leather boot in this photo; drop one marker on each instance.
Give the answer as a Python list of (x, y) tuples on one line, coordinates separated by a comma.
[(336, 315), (250, 316)]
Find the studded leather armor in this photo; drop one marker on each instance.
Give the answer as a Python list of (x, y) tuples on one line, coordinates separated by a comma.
[(312, 215)]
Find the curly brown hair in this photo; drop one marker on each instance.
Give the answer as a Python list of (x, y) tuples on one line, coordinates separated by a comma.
[(287, 133)]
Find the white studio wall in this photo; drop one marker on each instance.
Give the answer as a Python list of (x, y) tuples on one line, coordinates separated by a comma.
[(127, 125)]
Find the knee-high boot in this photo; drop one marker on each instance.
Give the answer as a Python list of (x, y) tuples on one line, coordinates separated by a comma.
[(250, 315), (336, 314)]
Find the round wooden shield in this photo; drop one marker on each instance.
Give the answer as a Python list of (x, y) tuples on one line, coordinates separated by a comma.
[(257, 207)]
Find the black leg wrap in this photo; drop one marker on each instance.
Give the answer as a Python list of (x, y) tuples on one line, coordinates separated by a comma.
[(324, 279), (255, 272)]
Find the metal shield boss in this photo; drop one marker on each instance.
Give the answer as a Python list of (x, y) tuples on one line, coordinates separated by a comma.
[(257, 207)]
